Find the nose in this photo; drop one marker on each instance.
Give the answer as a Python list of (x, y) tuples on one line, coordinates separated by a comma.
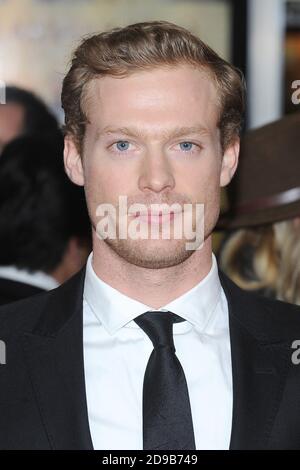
[(156, 173)]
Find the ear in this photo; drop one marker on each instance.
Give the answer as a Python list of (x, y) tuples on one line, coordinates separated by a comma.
[(229, 162), (73, 162)]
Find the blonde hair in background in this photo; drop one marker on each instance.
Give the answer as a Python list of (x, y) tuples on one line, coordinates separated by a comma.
[(272, 262)]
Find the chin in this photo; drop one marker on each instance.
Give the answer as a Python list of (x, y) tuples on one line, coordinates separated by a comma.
[(151, 254)]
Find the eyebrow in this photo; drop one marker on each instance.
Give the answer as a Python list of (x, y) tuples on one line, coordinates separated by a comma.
[(134, 132)]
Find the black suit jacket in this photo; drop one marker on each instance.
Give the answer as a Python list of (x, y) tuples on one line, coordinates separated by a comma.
[(42, 387), (11, 291)]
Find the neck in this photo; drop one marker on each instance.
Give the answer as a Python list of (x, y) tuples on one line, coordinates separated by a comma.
[(153, 287)]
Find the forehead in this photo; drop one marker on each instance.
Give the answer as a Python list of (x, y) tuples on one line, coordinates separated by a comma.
[(177, 95), (11, 121), (11, 113)]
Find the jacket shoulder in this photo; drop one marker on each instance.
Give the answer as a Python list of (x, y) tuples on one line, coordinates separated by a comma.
[(22, 314), (45, 311), (267, 318)]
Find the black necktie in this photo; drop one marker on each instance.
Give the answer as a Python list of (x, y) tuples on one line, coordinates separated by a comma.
[(167, 417)]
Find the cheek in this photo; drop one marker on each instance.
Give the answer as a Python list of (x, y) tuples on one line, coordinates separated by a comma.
[(104, 183), (203, 182)]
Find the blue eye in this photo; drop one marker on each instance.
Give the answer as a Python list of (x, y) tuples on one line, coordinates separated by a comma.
[(186, 145), (122, 145)]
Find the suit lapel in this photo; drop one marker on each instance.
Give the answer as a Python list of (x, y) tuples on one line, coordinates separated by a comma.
[(259, 370), (54, 356)]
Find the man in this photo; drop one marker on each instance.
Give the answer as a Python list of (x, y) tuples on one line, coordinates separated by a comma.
[(24, 113), (44, 224), (150, 347)]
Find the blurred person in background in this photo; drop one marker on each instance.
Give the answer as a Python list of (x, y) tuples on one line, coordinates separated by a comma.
[(24, 113), (44, 226), (261, 251)]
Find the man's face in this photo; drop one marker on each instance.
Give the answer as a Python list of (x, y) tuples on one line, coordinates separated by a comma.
[(11, 122), (153, 137)]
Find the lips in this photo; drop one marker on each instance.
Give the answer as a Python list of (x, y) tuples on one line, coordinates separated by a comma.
[(155, 217)]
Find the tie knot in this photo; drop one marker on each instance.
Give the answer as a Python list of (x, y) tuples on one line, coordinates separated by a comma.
[(159, 327)]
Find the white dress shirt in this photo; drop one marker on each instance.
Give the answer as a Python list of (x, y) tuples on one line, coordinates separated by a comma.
[(116, 352)]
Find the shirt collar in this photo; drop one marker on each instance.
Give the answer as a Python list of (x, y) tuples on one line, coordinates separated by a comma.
[(115, 310), (35, 278)]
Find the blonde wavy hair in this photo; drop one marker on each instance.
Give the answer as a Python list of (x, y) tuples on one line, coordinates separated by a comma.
[(265, 258), (143, 46)]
